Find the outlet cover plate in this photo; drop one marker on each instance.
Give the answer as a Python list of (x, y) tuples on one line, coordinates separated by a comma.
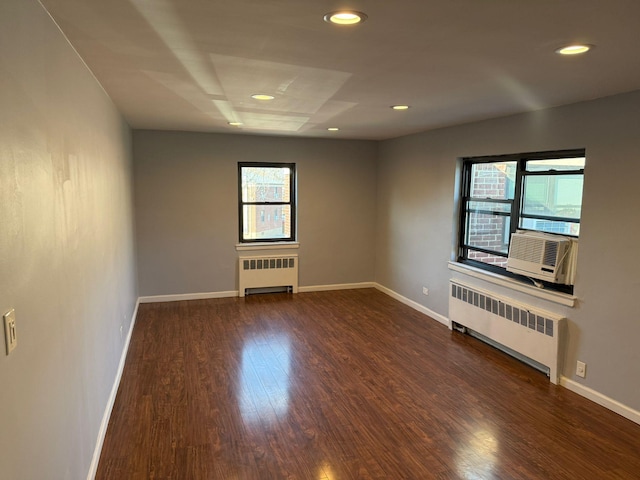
[(11, 339)]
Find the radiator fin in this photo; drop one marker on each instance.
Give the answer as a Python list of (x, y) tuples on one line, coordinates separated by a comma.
[(504, 310), (262, 272), (267, 263)]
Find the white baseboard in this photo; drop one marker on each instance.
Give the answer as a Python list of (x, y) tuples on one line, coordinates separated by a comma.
[(337, 286), (187, 296), (93, 468), (234, 293), (415, 305), (601, 399)]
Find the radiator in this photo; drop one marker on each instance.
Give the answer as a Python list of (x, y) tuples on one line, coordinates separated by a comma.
[(531, 332), (268, 271)]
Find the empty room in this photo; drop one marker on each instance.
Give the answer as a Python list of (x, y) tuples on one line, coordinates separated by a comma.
[(319, 240)]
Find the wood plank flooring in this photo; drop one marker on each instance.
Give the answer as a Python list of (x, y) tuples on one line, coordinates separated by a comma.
[(343, 385)]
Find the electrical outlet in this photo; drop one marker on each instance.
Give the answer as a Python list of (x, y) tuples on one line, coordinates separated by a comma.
[(425, 290), (10, 336), (581, 369)]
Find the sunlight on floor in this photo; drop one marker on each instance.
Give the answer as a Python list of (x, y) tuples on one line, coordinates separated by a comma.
[(264, 378), (477, 457)]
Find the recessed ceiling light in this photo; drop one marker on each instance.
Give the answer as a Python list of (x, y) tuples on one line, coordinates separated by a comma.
[(333, 129), (345, 17), (262, 96), (235, 124), (400, 107), (574, 49)]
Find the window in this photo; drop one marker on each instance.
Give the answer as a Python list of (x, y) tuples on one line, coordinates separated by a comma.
[(267, 209), (534, 191)]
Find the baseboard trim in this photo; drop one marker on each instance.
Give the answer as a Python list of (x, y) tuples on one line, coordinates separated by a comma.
[(187, 296), (415, 305), (601, 399), (337, 286), (234, 293), (93, 468)]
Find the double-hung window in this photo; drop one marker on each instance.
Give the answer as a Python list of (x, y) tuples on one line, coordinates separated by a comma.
[(267, 202), (501, 194)]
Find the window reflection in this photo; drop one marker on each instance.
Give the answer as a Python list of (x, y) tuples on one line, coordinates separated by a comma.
[(476, 459), (264, 378), (325, 472)]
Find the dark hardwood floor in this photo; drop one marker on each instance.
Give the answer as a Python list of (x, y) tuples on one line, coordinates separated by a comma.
[(343, 385)]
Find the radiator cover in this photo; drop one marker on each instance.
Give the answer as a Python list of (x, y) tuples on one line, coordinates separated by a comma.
[(267, 271), (530, 331)]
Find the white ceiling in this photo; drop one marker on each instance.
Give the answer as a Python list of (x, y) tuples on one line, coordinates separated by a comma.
[(193, 64)]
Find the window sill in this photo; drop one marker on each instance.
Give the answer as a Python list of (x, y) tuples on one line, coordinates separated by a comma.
[(243, 247), (496, 279)]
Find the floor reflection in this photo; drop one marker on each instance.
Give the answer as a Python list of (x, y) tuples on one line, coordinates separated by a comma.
[(326, 472), (264, 377), (476, 459)]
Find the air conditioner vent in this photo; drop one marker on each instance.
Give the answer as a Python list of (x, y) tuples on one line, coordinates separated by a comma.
[(550, 254), (528, 249), (540, 256)]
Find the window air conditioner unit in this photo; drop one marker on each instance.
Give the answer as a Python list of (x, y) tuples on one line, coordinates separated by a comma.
[(539, 255)]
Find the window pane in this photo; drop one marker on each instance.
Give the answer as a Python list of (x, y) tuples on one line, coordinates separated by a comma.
[(487, 258), (265, 184), (490, 206), (266, 221), (557, 164), (553, 196), (551, 226), (490, 232), (493, 180)]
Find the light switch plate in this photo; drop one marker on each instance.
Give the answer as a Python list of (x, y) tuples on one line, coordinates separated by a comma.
[(10, 336)]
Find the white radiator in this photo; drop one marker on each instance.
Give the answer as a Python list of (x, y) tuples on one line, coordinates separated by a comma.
[(531, 332), (268, 271)]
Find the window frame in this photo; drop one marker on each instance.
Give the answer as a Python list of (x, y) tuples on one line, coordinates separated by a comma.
[(515, 213), (291, 203)]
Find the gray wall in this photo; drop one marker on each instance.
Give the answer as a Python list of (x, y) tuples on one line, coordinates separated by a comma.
[(417, 215), (186, 197), (66, 248)]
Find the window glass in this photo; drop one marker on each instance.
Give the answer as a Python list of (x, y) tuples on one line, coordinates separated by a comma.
[(264, 184), (493, 180), (575, 163), (553, 195), (267, 201), (490, 232), (270, 226), (551, 226), (489, 207), (487, 258)]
